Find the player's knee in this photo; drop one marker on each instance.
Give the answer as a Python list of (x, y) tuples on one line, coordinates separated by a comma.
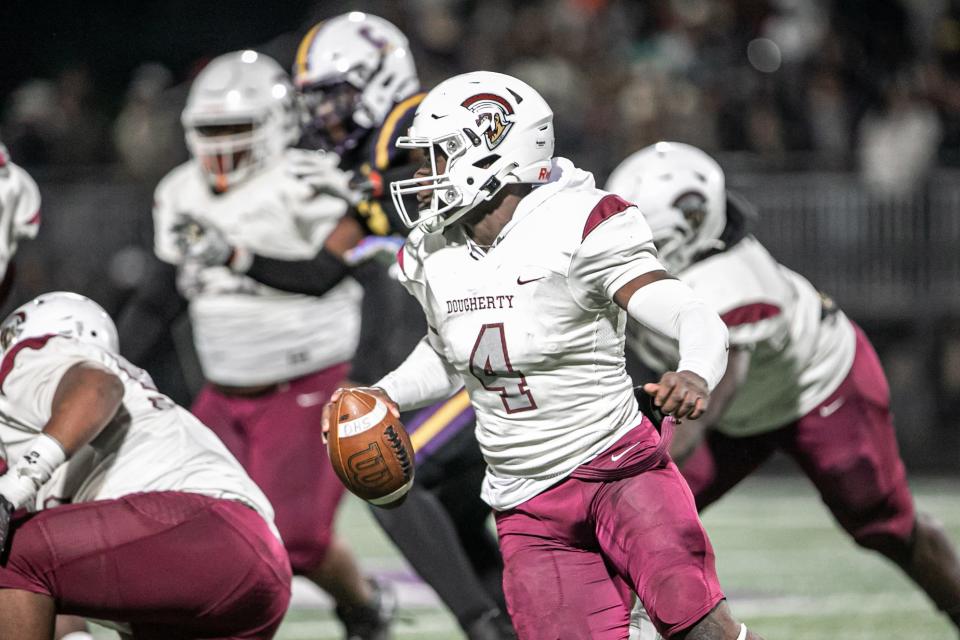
[(893, 537), (886, 527)]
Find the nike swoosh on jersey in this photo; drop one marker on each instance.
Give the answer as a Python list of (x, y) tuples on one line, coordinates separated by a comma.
[(519, 281), (828, 410), (617, 456)]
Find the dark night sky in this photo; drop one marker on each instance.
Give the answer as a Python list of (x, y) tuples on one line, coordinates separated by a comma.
[(111, 38)]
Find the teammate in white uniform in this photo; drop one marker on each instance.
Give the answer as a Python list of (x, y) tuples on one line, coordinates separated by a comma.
[(226, 220), (160, 513), (247, 333), (19, 215), (801, 378), (524, 291)]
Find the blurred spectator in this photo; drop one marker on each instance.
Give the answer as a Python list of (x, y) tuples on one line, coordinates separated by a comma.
[(29, 128), (57, 122), (898, 141), (147, 133)]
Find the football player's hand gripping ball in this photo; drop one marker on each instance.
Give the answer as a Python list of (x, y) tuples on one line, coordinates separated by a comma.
[(681, 394)]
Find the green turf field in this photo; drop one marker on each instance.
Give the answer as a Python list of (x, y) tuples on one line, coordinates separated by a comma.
[(788, 571)]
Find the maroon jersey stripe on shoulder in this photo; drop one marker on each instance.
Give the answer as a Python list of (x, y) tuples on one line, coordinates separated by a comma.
[(8, 359), (400, 258), (750, 313), (609, 206)]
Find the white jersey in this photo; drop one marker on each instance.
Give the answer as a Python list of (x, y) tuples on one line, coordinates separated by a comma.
[(801, 349), (153, 444), (246, 333), (19, 209), (531, 327)]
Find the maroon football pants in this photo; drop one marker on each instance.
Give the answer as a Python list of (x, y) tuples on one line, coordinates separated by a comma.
[(277, 437), (175, 566)]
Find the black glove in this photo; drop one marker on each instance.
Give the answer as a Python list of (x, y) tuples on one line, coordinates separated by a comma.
[(6, 513)]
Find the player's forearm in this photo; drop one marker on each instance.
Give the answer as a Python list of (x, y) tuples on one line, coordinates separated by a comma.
[(313, 277), (672, 309), (422, 379), (87, 399)]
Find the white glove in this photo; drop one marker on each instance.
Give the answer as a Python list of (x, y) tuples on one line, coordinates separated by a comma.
[(319, 170), (200, 242), (19, 485)]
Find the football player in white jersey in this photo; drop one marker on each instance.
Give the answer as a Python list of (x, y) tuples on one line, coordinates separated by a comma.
[(357, 77), (271, 358), (801, 377), (139, 514), (526, 273), (19, 215)]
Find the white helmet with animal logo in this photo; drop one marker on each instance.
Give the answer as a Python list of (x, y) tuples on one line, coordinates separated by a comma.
[(493, 130), (60, 313), (681, 192)]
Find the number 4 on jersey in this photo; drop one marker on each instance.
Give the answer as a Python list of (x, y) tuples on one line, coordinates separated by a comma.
[(490, 364)]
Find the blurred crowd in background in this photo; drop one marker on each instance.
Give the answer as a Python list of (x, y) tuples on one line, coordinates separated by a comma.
[(867, 84), (866, 92)]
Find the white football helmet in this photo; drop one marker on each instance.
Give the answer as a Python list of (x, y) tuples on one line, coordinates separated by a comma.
[(351, 70), (240, 116), (62, 313), (681, 192), (492, 129)]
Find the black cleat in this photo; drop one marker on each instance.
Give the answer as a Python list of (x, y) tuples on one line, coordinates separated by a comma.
[(370, 621), (493, 625)]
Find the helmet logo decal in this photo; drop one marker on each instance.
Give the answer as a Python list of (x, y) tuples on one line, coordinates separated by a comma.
[(382, 44), (693, 205), (494, 116)]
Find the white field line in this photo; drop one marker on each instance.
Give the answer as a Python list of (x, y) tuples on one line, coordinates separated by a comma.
[(830, 604), (410, 595), (778, 521), (312, 629)]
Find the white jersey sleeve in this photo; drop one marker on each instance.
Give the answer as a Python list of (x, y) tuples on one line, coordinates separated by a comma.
[(151, 445), (619, 249), (274, 213), (19, 209), (31, 373), (801, 352), (247, 333), (165, 214)]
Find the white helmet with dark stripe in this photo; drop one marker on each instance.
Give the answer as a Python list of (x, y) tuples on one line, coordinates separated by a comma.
[(60, 313), (681, 192)]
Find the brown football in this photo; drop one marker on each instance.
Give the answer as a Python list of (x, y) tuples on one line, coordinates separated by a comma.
[(370, 450)]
